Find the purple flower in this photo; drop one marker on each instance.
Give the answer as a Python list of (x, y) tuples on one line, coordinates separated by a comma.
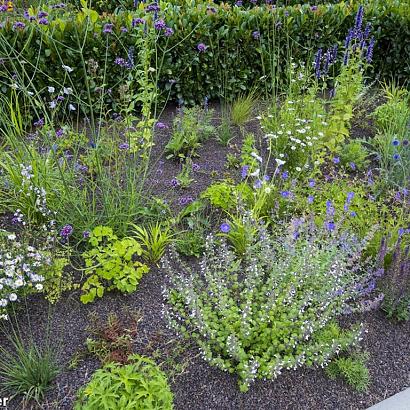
[(39, 123), (317, 63), (353, 214), (369, 54), (330, 226), (244, 171), (59, 133), (311, 198), (66, 231), (42, 14), (201, 47), (124, 29), (168, 32), (367, 30), (19, 25), (225, 227), (239, 3), (405, 143), (120, 61), (161, 125), (86, 234), (346, 58), (285, 175), (330, 210), (313, 8), (195, 167), (396, 143), (43, 21), (174, 182), (353, 166), (350, 196), (256, 35), (136, 22), (185, 200), (257, 184), (124, 146), (336, 160), (312, 183), (359, 19), (396, 157), (3, 8), (107, 29), (153, 7), (160, 25), (285, 194)]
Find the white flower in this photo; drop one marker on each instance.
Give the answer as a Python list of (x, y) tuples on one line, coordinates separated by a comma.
[(281, 155), (67, 68), (11, 237), (301, 131), (258, 117), (279, 161), (256, 156), (3, 302), (298, 169), (71, 107), (321, 134), (30, 93), (292, 147), (267, 190), (13, 297), (53, 104), (51, 89), (67, 90), (310, 144), (18, 283), (255, 173), (39, 286)]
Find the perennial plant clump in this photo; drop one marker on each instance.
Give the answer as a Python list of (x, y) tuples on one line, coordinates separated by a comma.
[(276, 307)]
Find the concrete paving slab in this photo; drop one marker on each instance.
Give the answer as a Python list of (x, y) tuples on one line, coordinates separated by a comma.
[(400, 401)]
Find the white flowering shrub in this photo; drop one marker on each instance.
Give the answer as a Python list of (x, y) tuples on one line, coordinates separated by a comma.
[(26, 268), (274, 308)]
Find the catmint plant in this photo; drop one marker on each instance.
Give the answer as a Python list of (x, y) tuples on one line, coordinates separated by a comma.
[(276, 307)]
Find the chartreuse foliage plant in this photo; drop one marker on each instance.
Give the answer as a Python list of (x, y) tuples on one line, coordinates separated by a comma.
[(111, 264), (276, 307), (140, 385)]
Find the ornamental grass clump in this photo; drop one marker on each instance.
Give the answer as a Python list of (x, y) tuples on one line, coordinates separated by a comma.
[(274, 308)]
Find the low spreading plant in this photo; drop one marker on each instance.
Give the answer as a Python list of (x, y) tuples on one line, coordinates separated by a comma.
[(191, 127), (139, 385), (111, 264), (274, 308), (351, 368)]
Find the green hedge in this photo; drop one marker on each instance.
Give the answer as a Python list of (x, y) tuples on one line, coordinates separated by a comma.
[(233, 61)]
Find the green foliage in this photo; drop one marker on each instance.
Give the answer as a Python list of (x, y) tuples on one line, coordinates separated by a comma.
[(191, 243), (111, 263), (351, 368), (191, 127), (227, 32), (184, 178), (249, 154), (224, 131), (354, 153), (139, 385), (227, 196), (153, 240), (275, 307), (26, 370), (242, 108)]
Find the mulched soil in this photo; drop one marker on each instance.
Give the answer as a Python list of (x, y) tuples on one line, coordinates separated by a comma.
[(198, 386)]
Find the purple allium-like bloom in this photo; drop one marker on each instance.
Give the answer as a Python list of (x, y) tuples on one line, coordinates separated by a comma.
[(161, 125), (311, 198), (137, 21), (396, 143), (256, 35), (42, 14), (160, 25), (244, 171), (66, 231), (396, 157), (174, 182), (312, 183), (336, 160), (168, 32), (330, 226), (120, 61), (195, 167), (201, 47), (185, 200), (313, 8), (153, 7), (285, 194), (108, 27), (19, 25), (3, 8), (353, 214), (225, 227), (86, 234), (39, 123), (405, 143), (59, 133), (124, 146), (285, 175), (43, 21)]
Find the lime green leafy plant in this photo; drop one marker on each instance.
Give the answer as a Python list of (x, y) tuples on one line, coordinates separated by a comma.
[(111, 263)]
